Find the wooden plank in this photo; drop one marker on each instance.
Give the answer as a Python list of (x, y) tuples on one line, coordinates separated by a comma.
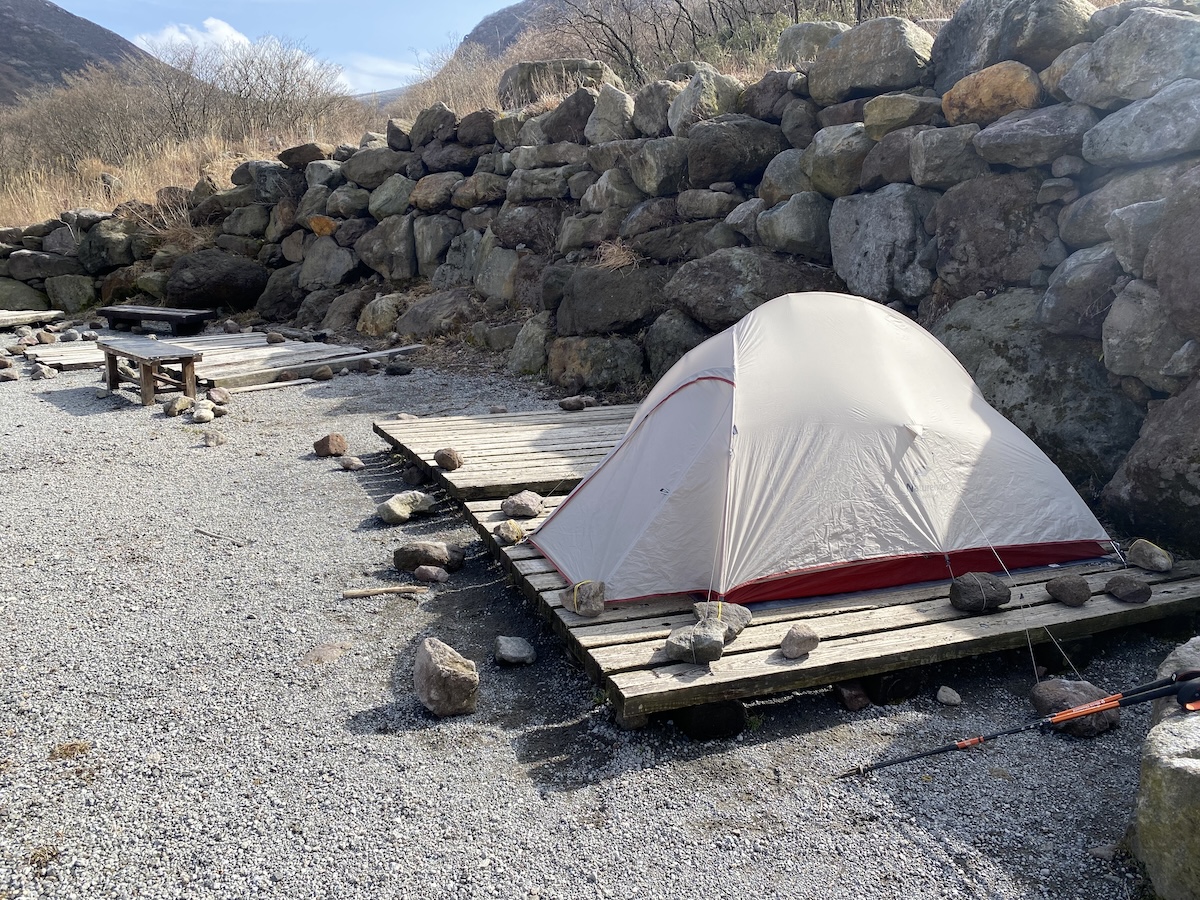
[(13, 318), (767, 671), (272, 386), (147, 350), (305, 370)]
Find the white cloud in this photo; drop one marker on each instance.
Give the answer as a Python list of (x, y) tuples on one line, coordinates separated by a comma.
[(362, 73), (213, 32)]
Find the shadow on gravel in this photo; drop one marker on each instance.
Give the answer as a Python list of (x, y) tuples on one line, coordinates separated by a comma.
[(82, 401)]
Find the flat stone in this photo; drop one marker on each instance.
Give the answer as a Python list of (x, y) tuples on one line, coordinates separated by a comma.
[(1128, 589), (414, 554), (399, 508), (431, 574), (514, 651)]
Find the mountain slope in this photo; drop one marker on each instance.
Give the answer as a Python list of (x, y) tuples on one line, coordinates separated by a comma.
[(498, 31), (41, 42)]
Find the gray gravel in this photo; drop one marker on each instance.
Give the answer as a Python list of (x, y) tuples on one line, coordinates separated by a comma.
[(222, 764)]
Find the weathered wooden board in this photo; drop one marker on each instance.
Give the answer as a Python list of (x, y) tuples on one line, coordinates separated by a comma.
[(13, 318), (862, 634)]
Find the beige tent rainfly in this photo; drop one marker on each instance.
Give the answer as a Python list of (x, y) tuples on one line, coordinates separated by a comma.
[(823, 444)]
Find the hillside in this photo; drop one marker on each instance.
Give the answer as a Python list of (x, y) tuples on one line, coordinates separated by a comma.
[(497, 32), (41, 42)]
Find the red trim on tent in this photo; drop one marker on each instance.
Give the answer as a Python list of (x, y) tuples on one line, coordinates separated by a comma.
[(870, 574)]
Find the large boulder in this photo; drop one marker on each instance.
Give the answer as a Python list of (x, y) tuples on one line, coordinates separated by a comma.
[(378, 317), (672, 335), (1156, 490), (595, 362), (1082, 223), (440, 313), (799, 226), (16, 295), (326, 264), (800, 43), (612, 117), (1137, 59), (876, 56), (1159, 127), (431, 238), (568, 120), (1080, 292), (835, 158), (389, 249), (799, 122), (495, 271), (343, 310), (660, 167), (214, 278), (391, 198), (708, 94), (1132, 228), (944, 157), (891, 112), (535, 225), (435, 123), (890, 160), (1172, 258), (528, 353), (106, 246), (991, 232), (613, 189), (1167, 819), (1036, 137), (984, 32), (783, 177), (72, 293), (1052, 387), (1139, 337), (652, 105), (718, 289), (601, 301), (525, 82), (878, 241), (372, 167), (434, 193), (731, 148), (984, 96), (30, 265), (281, 298)]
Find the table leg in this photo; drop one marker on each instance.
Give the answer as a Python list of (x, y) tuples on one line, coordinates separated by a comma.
[(146, 370), (189, 378), (111, 379)]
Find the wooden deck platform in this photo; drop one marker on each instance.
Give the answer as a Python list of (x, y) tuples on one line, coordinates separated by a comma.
[(862, 634), (230, 360)]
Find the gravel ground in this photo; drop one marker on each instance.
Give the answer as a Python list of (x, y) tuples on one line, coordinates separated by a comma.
[(217, 762)]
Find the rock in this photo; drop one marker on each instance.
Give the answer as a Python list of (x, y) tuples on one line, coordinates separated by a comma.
[(408, 557), (203, 416), (1139, 338), (1131, 229), (177, 405), (1148, 556), (1137, 59), (890, 112), (718, 289), (874, 57), (595, 362), (448, 459), (798, 226), (731, 147), (835, 158), (708, 640), (586, 598), (947, 696), (731, 616), (703, 204), (944, 157), (211, 278), (351, 463), (978, 592), (106, 245), (1128, 589), (509, 532), (672, 335), (333, 444), (799, 641), (399, 508), (1082, 222), (799, 123), (1159, 127), (390, 248), (1054, 388), (783, 177), (603, 301), (523, 505), (660, 167), (443, 312), (1169, 260), (708, 94), (42, 372), (1035, 137), (679, 644), (212, 438), (434, 193), (431, 574), (528, 354), (851, 695), (1057, 695), (16, 295), (802, 42), (611, 118), (369, 168), (612, 189), (1071, 590), (446, 682), (984, 32), (987, 95), (889, 161), (527, 81), (322, 373), (30, 265), (878, 241), (10, 374), (1081, 293), (514, 651)]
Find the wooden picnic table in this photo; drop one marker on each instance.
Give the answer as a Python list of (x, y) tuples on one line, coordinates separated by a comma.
[(182, 321), (150, 355)]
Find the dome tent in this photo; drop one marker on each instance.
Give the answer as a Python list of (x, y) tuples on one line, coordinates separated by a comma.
[(822, 444)]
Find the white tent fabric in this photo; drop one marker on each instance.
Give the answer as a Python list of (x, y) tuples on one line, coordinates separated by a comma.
[(823, 443)]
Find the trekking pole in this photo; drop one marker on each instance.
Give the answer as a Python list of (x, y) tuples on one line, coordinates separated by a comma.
[(1183, 685)]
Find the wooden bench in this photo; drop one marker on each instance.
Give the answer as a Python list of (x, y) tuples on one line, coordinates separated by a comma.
[(182, 321), (150, 354)]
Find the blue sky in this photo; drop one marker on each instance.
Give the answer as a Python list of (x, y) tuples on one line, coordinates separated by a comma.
[(378, 44)]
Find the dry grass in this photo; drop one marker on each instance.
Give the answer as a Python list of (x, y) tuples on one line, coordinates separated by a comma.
[(71, 750), (616, 255)]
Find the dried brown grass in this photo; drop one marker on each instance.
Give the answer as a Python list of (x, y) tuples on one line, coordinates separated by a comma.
[(616, 255)]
